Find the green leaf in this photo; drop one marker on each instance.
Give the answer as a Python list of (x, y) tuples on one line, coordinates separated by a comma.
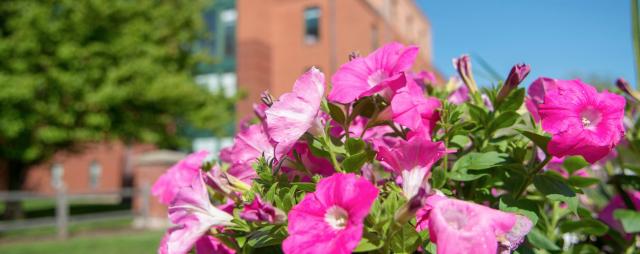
[(514, 101), (306, 187), (504, 120), (363, 107), (585, 249), (460, 141), (540, 140), (554, 188), (404, 239), (266, 236), (630, 220), (582, 182), (626, 180), (585, 226), (477, 114), (474, 161), (574, 163), (539, 240), (336, 113), (354, 146), (438, 178), (369, 242), (317, 148), (522, 206), (464, 177), (354, 163)]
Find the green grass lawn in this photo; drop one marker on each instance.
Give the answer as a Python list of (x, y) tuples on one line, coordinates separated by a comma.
[(47, 208), (75, 229), (135, 242)]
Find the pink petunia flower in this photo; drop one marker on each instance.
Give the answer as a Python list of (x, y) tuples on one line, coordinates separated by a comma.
[(194, 215), (422, 78), (330, 220), (206, 243), (412, 159), (412, 109), (581, 120), (459, 96), (231, 182), (262, 211), (371, 134), (295, 113), (457, 226), (179, 175), (536, 93), (372, 74), (248, 145), (210, 244), (606, 215), (311, 163)]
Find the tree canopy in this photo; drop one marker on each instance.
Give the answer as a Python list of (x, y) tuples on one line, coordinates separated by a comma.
[(77, 71)]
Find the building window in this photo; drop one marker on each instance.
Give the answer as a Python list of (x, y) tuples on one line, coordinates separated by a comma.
[(312, 25), (228, 19), (211, 42), (374, 37), (95, 171), (57, 174)]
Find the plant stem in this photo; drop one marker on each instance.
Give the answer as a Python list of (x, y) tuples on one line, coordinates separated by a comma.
[(329, 146), (396, 130), (530, 176), (554, 221)]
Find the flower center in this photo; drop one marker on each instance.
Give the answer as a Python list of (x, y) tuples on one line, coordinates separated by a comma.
[(375, 78), (336, 217), (590, 117)]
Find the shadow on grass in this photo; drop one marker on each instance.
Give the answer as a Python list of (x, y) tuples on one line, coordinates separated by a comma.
[(49, 210)]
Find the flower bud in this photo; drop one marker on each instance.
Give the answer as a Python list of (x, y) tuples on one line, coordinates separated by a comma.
[(517, 74), (624, 86), (409, 209), (463, 66)]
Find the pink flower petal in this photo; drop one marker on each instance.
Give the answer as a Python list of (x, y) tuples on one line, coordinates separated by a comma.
[(179, 175), (294, 113), (330, 220), (371, 74)]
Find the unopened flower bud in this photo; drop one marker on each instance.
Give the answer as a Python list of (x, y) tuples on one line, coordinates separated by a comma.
[(463, 66), (409, 209), (624, 86), (517, 74)]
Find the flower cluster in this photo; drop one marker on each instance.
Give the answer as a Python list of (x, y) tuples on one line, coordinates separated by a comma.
[(393, 161)]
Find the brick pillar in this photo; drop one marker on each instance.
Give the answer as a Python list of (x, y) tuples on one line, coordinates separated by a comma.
[(147, 168)]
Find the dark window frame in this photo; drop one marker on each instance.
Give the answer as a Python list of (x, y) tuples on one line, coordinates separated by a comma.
[(311, 30)]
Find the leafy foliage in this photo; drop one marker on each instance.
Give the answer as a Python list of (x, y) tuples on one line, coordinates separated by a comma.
[(78, 71)]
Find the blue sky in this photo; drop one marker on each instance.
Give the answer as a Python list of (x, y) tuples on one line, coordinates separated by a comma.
[(559, 39)]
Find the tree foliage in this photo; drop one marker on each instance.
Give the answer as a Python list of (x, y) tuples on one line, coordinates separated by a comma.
[(78, 71)]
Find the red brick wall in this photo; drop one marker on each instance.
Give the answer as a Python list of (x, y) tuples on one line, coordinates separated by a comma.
[(272, 52), (110, 155)]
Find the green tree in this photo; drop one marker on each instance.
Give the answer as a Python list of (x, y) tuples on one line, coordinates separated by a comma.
[(72, 72)]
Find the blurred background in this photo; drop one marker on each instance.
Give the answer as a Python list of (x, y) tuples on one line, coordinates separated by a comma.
[(98, 98)]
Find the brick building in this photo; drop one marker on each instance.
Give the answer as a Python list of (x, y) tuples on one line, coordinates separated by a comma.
[(259, 45), (277, 40)]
